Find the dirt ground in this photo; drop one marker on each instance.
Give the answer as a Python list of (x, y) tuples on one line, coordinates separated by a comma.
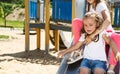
[(14, 59)]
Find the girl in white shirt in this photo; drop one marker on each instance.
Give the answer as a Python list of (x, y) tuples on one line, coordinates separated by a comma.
[(94, 57), (101, 7)]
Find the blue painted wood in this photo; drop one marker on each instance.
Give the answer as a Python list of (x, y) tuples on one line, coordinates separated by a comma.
[(33, 10), (117, 14), (62, 10)]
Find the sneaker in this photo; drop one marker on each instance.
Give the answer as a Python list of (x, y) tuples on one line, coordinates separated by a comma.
[(110, 72)]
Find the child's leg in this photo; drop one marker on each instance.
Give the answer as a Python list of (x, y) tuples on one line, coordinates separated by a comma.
[(84, 71), (85, 67), (112, 61), (76, 28), (99, 67), (63, 65), (107, 47), (99, 71), (88, 66)]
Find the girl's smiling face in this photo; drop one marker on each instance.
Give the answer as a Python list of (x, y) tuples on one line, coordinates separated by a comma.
[(89, 25)]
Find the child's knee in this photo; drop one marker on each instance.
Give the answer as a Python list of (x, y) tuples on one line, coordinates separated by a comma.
[(77, 22), (116, 39)]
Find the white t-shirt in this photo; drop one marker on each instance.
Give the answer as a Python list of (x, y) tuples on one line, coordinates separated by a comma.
[(99, 8), (95, 50)]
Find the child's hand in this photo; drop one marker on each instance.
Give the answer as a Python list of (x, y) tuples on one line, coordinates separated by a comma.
[(61, 54), (117, 56)]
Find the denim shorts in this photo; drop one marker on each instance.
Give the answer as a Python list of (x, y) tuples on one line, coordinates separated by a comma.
[(92, 64)]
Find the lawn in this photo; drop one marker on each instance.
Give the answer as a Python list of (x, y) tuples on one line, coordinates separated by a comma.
[(14, 24), (20, 24), (4, 37)]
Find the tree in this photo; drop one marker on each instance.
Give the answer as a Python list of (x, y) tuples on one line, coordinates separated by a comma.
[(1, 12), (19, 3), (7, 8)]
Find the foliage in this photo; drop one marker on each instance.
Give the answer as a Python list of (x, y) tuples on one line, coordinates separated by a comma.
[(1, 12), (7, 8), (19, 3)]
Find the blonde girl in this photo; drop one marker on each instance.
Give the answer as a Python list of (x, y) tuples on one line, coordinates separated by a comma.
[(102, 8), (94, 56)]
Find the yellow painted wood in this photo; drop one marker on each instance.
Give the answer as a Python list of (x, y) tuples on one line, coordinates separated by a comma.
[(112, 14), (38, 29), (47, 24), (73, 12), (73, 9), (57, 40), (26, 25), (38, 37)]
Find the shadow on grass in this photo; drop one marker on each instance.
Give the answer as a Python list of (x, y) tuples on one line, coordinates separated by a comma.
[(33, 56)]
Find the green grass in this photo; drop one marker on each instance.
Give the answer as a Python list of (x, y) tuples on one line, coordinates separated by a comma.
[(14, 24), (1, 21), (4, 37), (117, 28)]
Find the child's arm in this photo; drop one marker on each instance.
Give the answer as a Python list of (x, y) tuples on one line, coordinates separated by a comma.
[(112, 45), (72, 48)]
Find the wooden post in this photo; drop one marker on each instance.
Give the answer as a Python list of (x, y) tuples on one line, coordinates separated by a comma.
[(47, 25), (73, 11), (38, 29), (57, 37), (27, 25)]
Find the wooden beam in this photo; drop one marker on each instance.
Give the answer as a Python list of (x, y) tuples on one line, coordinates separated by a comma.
[(52, 26), (73, 11), (57, 40), (38, 29), (47, 25), (26, 25)]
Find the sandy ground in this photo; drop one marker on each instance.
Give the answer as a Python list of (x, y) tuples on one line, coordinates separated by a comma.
[(14, 59)]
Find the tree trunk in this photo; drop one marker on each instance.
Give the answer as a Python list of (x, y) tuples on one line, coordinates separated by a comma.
[(4, 20)]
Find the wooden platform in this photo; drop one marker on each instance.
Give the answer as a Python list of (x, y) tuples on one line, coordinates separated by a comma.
[(52, 26)]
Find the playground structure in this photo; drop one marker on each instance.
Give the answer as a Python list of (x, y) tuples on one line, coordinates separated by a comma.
[(62, 11), (39, 25)]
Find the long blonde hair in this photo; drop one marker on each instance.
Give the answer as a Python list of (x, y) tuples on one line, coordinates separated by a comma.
[(98, 20)]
